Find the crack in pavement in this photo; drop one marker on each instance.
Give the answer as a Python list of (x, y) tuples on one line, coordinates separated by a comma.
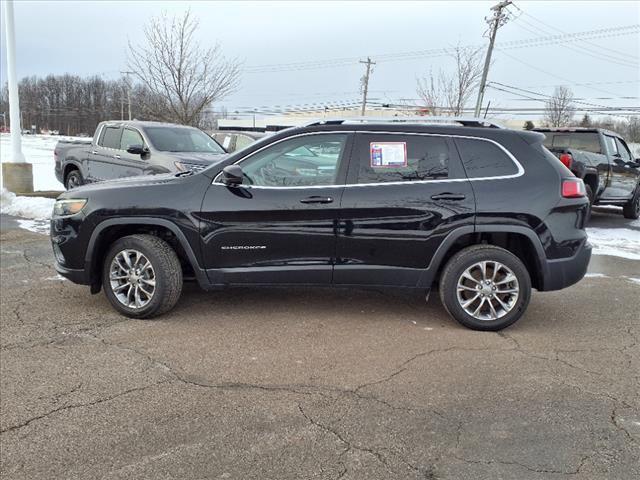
[(78, 405), (574, 471)]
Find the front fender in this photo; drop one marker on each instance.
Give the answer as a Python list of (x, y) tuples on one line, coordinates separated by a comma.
[(90, 254)]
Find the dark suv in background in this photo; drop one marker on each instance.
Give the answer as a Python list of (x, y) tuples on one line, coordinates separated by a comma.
[(485, 213)]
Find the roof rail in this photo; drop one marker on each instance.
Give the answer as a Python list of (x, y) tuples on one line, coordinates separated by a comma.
[(464, 121)]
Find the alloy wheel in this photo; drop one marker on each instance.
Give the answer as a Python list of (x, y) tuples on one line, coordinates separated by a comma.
[(132, 278), (488, 290)]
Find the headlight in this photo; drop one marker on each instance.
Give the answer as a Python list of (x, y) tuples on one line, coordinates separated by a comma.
[(66, 208)]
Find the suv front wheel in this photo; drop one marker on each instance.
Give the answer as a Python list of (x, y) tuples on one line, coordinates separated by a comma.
[(142, 276), (485, 287)]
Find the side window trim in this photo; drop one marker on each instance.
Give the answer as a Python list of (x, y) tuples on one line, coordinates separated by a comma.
[(350, 146)]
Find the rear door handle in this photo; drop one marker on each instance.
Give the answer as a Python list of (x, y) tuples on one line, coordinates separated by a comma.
[(317, 199), (448, 196), (94, 152), (116, 156)]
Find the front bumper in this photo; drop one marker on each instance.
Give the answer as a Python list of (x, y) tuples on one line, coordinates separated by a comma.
[(564, 272), (75, 275)]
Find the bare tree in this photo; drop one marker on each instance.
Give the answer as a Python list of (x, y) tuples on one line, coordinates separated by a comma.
[(450, 93), (559, 109), (176, 69)]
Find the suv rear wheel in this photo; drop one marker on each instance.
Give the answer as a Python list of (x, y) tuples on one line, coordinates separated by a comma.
[(485, 287), (142, 276)]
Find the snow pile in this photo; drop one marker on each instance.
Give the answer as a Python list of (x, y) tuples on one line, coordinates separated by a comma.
[(37, 150), (36, 208), (618, 242)]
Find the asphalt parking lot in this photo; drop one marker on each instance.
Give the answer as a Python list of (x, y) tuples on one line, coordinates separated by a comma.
[(300, 383)]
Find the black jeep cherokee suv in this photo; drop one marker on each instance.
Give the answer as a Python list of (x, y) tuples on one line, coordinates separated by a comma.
[(485, 213)]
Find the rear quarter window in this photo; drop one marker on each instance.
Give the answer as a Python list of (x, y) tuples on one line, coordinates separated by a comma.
[(482, 158)]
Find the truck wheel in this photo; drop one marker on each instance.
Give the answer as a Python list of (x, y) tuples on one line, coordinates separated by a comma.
[(485, 287), (73, 179), (142, 276), (589, 192), (631, 209)]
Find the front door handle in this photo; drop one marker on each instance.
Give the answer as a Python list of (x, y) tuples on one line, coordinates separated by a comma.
[(116, 156), (448, 196), (94, 152), (317, 199)]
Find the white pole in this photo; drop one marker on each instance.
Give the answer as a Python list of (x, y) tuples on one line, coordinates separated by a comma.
[(12, 79)]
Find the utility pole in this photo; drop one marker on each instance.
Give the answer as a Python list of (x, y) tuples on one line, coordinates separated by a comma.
[(365, 84), (498, 19), (128, 82)]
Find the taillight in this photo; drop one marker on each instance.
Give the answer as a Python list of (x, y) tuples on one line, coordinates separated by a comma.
[(573, 188), (566, 159)]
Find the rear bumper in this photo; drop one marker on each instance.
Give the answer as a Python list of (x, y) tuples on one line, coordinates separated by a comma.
[(562, 273)]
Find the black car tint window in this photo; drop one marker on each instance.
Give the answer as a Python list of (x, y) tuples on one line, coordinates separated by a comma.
[(300, 161), (402, 158), (111, 137), (484, 159)]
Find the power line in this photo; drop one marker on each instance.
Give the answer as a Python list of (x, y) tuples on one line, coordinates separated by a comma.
[(592, 44), (551, 74), (578, 48), (418, 54)]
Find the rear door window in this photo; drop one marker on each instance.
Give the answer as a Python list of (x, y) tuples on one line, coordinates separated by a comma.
[(610, 143), (383, 158), (482, 159), (111, 137)]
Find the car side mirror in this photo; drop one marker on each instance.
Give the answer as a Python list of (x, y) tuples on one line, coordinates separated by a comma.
[(137, 149), (232, 175)]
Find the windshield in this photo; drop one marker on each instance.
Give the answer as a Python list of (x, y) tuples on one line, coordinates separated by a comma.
[(182, 139)]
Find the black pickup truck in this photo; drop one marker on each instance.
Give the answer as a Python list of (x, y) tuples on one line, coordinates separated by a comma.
[(603, 161), (131, 148)]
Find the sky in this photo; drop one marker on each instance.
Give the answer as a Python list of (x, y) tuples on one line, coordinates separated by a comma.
[(91, 37)]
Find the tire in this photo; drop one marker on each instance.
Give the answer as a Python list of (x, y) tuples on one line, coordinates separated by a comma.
[(73, 179), (631, 210), (470, 258), (589, 192), (163, 280)]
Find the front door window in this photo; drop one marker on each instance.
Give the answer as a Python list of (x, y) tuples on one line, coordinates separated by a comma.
[(310, 160)]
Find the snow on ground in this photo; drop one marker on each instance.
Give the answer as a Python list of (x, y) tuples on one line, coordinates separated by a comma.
[(618, 242), (37, 150), (36, 208), (34, 212)]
